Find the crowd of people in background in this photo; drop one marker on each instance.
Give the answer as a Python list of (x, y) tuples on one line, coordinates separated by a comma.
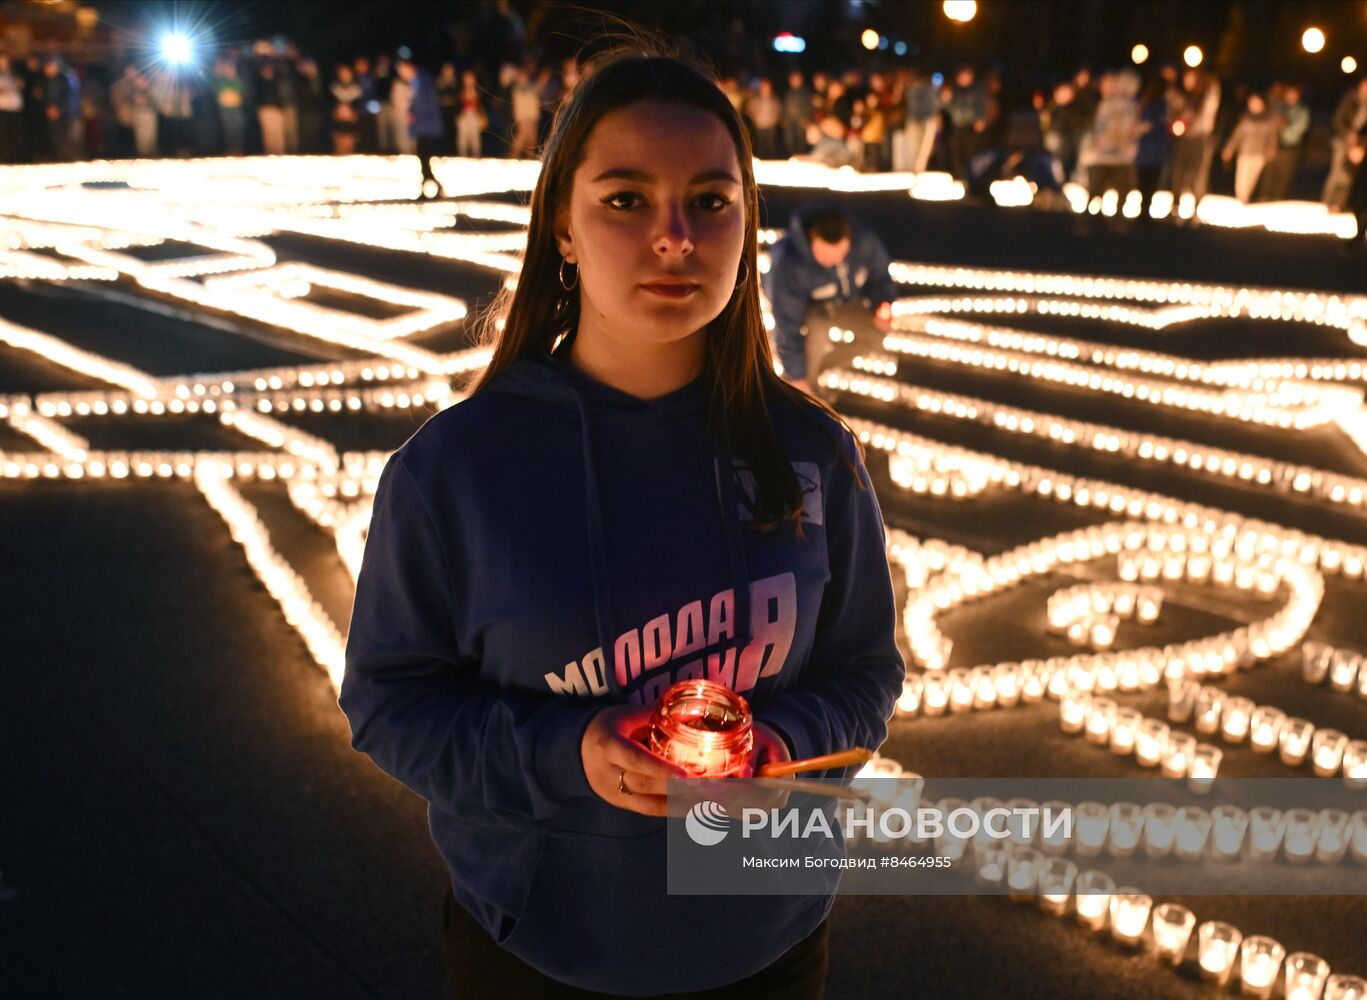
[(1111, 131)]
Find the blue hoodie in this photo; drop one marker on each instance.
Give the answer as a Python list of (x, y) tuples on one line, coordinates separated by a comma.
[(795, 279), (513, 536)]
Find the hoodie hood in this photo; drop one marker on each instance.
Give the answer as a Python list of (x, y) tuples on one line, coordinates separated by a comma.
[(553, 378)]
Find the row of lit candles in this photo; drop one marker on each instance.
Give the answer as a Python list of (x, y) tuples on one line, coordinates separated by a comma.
[(1341, 667), (1033, 869), (1211, 711), (1287, 406), (1252, 373), (1264, 303), (1090, 613), (1334, 488), (301, 610), (975, 579)]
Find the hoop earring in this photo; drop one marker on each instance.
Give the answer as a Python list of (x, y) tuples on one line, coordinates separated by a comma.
[(570, 287), (744, 272)]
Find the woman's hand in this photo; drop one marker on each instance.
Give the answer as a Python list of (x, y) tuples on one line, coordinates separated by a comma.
[(613, 751)]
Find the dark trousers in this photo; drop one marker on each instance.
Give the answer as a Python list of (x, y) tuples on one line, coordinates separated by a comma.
[(477, 967), (428, 147)]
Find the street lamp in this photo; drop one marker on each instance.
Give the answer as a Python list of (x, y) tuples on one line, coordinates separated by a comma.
[(869, 39), (1349, 65), (1192, 56), (961, 11), (1312, 40), (1140, 54)]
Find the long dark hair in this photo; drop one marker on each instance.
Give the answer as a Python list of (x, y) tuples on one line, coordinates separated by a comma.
[(530, 318)]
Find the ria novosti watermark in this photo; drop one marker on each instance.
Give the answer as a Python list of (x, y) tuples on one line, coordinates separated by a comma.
[(1301, 836)]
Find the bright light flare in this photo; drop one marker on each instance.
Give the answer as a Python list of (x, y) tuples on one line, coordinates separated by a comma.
[(1312, 40), (176, 48), (1140, 54), (961, 11), (1193, 55)]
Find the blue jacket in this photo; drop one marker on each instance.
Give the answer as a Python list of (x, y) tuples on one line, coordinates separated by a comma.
[(516, 537), (425, 109), (795, 279)]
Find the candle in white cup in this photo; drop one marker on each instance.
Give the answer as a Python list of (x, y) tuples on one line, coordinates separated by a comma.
[(1127, 820), (1234, 721), (1295, 741), (1357, 836), (960, 689), (1343, 669), (1181, 699), (1007, 679), (1260, 959), (935, 693), (1332, 841), (1091, 820), (1100, 717), (1305, 976), (1093, 891), (909, 702), (1265, 728), (1193, 831), (1072, 710), (1355, 764), (1302, 832), (1315, 658), (1177, 755), (1055, 878), (991, 862), (1228, 825), (1129, 915), (1124, 730), (1205, 764), (1217, 948), (1160, 829), (1210, 702), (1326, 754), (1340, 987), (1022, 872), (1150, 740), (1172, 927), (1266, 828)]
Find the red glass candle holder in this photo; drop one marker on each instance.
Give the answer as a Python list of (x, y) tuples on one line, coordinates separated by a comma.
[(703, 727)]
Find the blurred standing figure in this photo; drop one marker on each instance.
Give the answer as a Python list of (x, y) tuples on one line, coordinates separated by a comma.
[(401, 108), (1252, 145), (1194, 139), (1114, 145), (269, 111), (308, 91), (1349, 118), (923, 122), (966, 104), (368, 107), (57, 102), (1357, 187), (797, 115), (133, 110), (764, 110), (1155, 142), (448, 96), (346, 117), (232, 116), (526, 114), (472, 121), (1294, 121), (423, 123), (1064, 121), (384, 83), (11, 114)]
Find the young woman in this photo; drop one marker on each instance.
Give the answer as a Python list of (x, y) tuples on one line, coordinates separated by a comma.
[(629, 497)]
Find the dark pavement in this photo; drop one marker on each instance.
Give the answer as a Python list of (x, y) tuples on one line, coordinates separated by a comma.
[(183, 816)]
